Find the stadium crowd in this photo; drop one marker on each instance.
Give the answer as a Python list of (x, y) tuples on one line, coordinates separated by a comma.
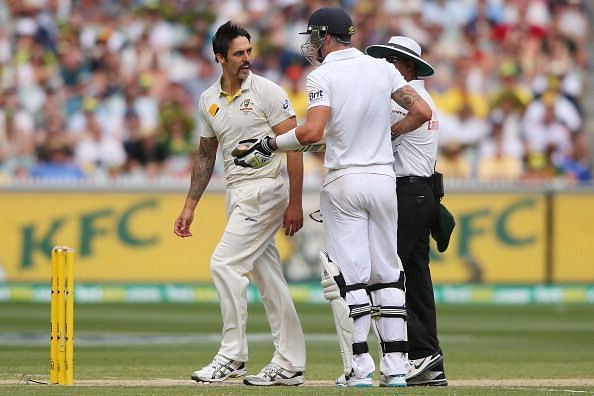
[(101, 89)]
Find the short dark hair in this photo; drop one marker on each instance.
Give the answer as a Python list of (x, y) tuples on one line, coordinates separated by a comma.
[(342, 38), (224, 35)]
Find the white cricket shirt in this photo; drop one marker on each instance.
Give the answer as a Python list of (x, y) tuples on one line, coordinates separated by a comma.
[(415, 152), (251, 112), (358, 90)]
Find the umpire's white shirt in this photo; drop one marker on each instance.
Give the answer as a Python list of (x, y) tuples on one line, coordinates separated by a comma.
[(415, 152), (249, 113), (358, 131)]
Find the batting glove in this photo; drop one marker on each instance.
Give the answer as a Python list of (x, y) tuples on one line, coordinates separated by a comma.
[(257, 155)]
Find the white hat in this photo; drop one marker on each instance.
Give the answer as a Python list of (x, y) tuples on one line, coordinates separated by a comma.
[(404, 48)]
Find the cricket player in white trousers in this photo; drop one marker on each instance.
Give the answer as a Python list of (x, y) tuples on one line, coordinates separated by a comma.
[(349, 95), (241, 105)]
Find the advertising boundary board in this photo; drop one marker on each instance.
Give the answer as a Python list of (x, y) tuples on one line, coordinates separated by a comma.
[(503, 236)]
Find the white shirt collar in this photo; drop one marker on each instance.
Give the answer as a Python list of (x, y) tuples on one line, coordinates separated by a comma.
[(417, 83), (346, 53)]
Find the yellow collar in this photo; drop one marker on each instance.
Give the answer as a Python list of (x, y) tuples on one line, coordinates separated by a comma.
[(231, 97), (245, 84)]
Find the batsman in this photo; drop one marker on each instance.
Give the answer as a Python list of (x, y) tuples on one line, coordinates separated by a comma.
[(349, 96)]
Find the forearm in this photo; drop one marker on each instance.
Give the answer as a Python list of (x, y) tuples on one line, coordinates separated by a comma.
[(311, 131), (294, 139), (201, 172), (418, 111), (408, 124), (295, 171)]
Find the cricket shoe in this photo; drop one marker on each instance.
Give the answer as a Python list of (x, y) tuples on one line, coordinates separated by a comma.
[(392, 381), (219, 370), (273, 374), (419, 366), (433, 377), (347, 381)]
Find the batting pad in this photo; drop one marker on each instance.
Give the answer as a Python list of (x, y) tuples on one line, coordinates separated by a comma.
[(345, 326)]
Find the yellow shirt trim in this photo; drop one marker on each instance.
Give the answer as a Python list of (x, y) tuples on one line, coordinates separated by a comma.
[(230, 97)]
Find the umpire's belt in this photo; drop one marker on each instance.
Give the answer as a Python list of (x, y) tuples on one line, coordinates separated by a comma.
[(413, 180)]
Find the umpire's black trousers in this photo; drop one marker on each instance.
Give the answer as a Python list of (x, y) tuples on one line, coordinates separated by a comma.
[(416, 207)]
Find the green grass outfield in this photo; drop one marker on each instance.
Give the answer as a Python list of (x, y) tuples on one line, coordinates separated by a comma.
[(143, 349)]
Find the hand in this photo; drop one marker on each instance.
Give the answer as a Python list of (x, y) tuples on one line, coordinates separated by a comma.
[(181, 227), (393, 135), (253, 153), (293, 219)]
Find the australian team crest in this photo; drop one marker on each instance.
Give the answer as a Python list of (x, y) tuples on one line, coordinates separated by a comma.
[(246, 105)]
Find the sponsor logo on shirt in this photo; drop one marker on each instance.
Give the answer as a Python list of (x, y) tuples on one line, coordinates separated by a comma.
[(214, 109), (246, 105), (316, 96), (286, 104)]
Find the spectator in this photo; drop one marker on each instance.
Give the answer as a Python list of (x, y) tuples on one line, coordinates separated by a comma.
[(500, 156), (98, 153), (574, 167), (92, 110), (56, 162), (178, 145), (145, 104), (73, 73), (547, 139), (452, 162), (466, 130), (564, 111), (16, 136), (143, 151), (133, 55), (506, 128)]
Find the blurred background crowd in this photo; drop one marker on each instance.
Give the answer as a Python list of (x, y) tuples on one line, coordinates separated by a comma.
[(105, 89)]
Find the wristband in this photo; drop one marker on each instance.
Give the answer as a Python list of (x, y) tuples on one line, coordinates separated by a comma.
[(288, 141)]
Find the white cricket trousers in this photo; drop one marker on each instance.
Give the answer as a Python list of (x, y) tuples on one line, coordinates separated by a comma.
[(360, 212), (255, 211)]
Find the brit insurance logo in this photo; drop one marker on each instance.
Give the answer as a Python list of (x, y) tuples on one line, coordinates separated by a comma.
[(246, 105), (316, 96)]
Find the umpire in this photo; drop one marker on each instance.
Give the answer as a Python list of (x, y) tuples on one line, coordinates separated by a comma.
[(415, 157)]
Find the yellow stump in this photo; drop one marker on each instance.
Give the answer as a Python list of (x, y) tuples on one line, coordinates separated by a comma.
[(54, 320), (69, 297), (62, 317)]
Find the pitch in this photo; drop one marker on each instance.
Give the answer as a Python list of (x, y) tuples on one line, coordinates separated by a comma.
[(153, 348)]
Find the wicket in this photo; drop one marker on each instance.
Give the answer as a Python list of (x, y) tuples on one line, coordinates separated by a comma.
[(62, 316)]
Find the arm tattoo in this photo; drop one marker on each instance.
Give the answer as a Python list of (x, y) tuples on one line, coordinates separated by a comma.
[(406, 97), (203, 167)]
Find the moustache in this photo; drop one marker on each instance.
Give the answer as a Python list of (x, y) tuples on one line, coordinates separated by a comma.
[(246, 64)]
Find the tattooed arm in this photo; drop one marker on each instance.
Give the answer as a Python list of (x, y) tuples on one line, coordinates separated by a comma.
[(419, 111), (201, 174)]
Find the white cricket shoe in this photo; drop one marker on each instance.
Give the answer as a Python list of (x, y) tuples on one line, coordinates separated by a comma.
[(273, 374), (392, 381), (219, 370), (345, 381), (422, 365)]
